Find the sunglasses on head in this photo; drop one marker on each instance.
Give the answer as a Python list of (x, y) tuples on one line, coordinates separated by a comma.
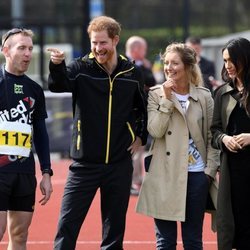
[(11, 33)]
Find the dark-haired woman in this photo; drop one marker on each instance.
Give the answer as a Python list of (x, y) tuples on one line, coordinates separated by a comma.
[(231, 134)]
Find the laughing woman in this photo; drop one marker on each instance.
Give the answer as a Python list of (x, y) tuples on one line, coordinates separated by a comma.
[(183, 165)]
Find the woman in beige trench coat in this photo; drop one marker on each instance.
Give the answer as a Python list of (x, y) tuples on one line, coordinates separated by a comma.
[(175, 187)]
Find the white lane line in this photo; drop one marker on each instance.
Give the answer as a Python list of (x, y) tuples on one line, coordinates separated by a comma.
[(126, 242)]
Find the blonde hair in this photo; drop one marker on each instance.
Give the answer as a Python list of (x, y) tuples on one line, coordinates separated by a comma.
[(105, 23), (188, 57)]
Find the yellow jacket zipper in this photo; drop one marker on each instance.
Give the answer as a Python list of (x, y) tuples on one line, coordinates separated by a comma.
[(78, 135), (109, 113), (131, 132)]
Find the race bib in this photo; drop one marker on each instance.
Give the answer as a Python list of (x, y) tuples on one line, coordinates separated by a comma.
[(15, 138)]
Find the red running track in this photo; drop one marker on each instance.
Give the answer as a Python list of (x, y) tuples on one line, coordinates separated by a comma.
[(139, 230)]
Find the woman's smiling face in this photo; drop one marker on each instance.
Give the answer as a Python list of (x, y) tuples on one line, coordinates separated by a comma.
[(229, 66), (174, 67)]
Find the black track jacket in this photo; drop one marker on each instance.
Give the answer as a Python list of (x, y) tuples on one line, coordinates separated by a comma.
[(109, 110)]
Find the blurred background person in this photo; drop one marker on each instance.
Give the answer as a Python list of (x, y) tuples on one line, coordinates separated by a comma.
[(207, 67), (136, 50), (231, 134), (158, 71)]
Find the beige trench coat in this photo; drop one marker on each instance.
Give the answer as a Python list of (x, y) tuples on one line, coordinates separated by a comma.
[(163, 192)]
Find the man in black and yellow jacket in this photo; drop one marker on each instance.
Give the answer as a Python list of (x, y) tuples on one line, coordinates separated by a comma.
[(109, 108)]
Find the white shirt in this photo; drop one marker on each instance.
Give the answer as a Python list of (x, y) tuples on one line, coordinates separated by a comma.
[(195, 162)]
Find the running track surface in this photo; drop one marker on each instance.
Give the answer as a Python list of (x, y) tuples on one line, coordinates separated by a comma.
[(139, 230)]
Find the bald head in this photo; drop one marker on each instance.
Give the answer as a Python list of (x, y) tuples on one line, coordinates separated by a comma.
[(136, 48)]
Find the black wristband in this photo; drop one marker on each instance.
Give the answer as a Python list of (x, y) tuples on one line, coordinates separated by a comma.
[(47, 171)]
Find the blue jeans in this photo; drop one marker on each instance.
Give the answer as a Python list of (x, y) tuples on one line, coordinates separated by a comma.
[(166, 231)]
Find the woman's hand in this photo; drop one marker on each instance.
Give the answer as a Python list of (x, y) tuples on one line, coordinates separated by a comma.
[(168, 87), (231, 143), (242, 139)]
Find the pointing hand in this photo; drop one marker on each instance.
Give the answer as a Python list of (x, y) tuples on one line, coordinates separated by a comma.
[(56, 55)]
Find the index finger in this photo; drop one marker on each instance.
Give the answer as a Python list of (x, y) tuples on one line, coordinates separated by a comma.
[(53, 50)]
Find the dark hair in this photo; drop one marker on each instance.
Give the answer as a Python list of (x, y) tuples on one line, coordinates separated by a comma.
[(193, 40), (239, 52)]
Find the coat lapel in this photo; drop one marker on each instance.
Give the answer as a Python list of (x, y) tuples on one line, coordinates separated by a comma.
[(178, 105)]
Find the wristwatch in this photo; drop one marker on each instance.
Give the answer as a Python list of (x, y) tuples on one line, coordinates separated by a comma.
[(47, 171)]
